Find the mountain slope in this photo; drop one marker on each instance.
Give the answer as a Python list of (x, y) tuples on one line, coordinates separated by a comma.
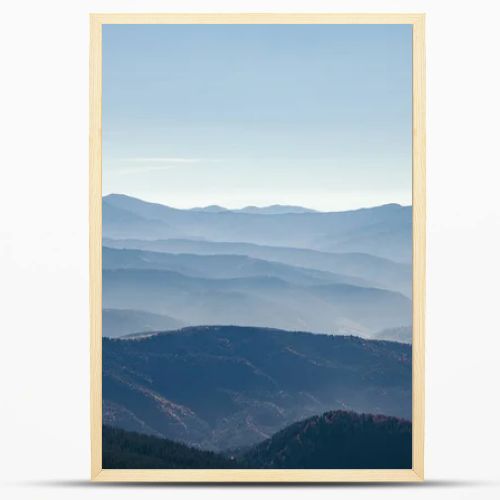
[(130, 450), (389, 238), (337, 440), (119, 222), (382, 272), (398, 334), (226, 387), (119, 322)]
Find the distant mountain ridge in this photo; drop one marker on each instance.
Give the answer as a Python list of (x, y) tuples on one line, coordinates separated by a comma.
[(257, 300), (275, 210), (377, 270), (220, 266), (384, 231), (236, 386), (271, 209)]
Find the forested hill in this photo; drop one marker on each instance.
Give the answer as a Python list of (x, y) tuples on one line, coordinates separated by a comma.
[(235, 386), (334, 440), (131, 450), (337, 440)]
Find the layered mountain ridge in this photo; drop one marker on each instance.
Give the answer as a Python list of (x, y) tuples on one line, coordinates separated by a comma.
[(246, 279), (383, 231), (280, 333)]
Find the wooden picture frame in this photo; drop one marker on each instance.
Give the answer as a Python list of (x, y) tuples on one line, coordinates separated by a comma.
[(258, 475)]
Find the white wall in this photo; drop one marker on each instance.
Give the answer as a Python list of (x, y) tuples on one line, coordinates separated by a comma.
[(44, 450)]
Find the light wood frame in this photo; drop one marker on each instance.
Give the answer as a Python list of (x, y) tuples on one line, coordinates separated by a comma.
[(257, 475)]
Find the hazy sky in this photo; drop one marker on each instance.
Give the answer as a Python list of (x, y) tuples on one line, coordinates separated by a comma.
[(235, 115)]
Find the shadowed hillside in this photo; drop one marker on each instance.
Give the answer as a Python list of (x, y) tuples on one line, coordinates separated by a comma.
[(334, 440), (337, 440), (131, 450)]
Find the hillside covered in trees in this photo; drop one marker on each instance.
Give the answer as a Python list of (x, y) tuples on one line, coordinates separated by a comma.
[(334, 440), (131, 450)]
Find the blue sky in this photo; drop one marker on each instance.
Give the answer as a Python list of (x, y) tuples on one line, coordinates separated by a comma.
[(235, 115)]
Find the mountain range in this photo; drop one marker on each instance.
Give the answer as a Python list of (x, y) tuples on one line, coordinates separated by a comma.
[(221, 267), (240, 290), (270, 210), (261, 337), (378, 271), (224, 387), (212, 265), (383, 231)]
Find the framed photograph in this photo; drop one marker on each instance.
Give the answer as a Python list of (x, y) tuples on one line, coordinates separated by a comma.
[(257, 247)]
